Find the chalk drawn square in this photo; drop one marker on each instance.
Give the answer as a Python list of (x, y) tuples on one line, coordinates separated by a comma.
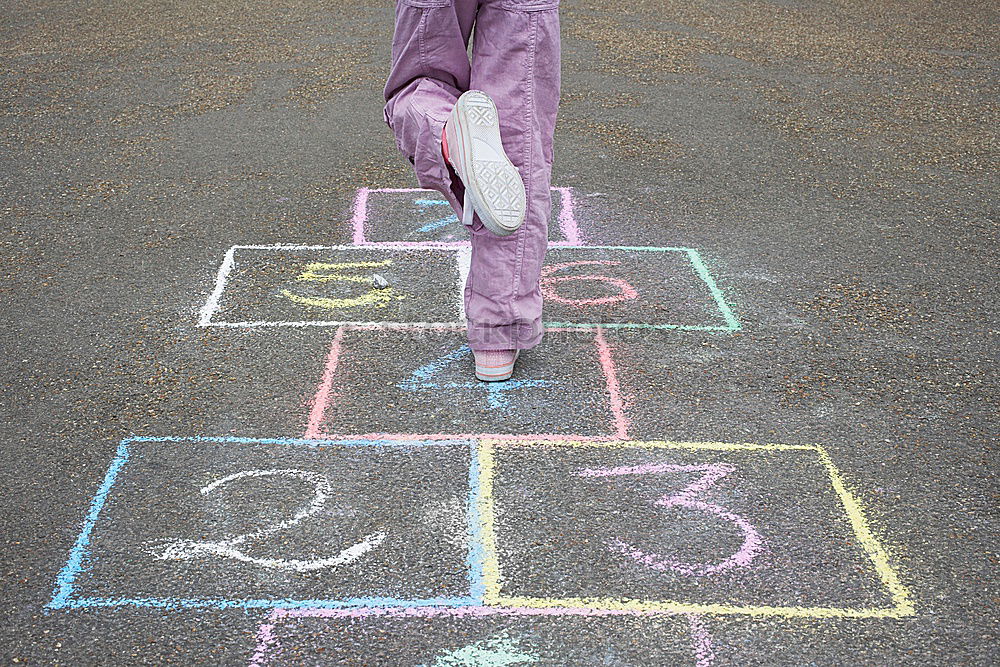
[(331, 285), (632, 288), (487, 637), (425, 383), (413, 216), (680, 527), (230, 522)]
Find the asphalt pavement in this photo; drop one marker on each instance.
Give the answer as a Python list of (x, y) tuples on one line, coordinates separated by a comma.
[(761, 428)]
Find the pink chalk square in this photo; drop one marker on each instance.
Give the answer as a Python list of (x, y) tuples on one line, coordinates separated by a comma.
[(413, 216), (393, 382), (647, 527), (470, 636)]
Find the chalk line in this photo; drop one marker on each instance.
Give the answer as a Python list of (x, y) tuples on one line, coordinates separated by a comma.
[(469, 611), (397, 441), (282, 247), (567, 217), (701, 641), (268, 646), (701, 269), (460, 326), (212, 304), (323, 395), (66, 579), (360, 215), (492, 579), (621, 421), (852, 507), (503, 437), (476, 557), (423, 326)]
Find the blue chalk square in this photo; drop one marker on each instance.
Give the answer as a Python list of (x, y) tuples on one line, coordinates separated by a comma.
[(257, 523)]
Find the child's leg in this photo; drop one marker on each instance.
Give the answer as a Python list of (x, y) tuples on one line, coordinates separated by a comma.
[(515, 59), (430, 69)]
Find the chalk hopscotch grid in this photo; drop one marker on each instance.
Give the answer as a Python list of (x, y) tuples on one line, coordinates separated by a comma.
[(463, 259), (903, 605), (320, 403), (66, 593), (568, 226), (485, 597)]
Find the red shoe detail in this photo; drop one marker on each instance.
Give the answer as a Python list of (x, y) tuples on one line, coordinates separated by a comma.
[(444, 146)]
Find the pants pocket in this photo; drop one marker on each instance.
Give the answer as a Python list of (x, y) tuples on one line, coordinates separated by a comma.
[(427, 3), (529, 5)]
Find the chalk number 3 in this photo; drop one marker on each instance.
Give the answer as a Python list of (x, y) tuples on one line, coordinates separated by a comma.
[(687, 498)]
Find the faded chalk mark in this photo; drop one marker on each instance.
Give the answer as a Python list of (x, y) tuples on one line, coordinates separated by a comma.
[(498, 651), (497, 393), (268, 646), (423, 204), (567, 217), (615, 396), (701, 641)]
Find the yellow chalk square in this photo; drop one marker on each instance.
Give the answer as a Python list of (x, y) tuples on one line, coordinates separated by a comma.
[(902, 604)]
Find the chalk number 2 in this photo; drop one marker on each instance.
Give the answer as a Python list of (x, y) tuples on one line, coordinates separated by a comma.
[(233, 547)]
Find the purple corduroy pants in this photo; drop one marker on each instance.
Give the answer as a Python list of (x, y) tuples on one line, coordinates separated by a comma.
[(515, 60)]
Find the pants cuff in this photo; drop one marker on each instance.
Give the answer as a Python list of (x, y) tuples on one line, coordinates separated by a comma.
[(517, 336)]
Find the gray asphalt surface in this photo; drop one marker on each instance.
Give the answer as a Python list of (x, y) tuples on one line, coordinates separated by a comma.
[(833, 164)]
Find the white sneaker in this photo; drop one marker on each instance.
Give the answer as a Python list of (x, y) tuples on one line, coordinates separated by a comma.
[(493, 186)]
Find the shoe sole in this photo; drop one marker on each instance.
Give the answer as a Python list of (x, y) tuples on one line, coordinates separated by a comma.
[(496, 373), (492, 181)]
